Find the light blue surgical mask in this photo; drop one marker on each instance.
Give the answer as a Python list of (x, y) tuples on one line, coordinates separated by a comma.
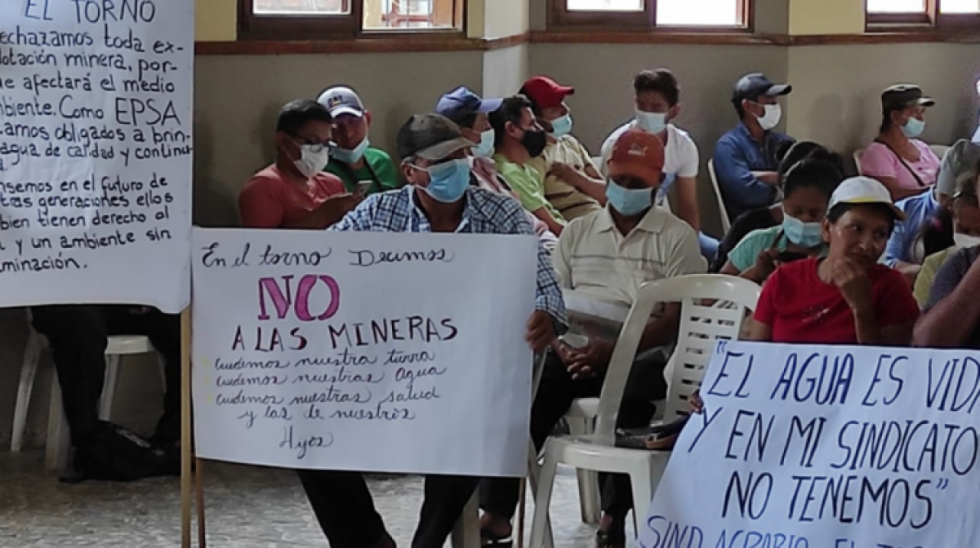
[(448, 181), (808, 235), (651, 122), (628, 201), (913, 128), (561, 126), (351, 156), (485, 148)]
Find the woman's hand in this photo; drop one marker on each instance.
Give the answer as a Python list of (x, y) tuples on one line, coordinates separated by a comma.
[(697, 404), (854, 284), (765, 264)]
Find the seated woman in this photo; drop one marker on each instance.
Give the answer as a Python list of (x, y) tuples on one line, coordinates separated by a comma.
[(768, 217), (808, 186), (966, 233), (897, 158), (847, 297)]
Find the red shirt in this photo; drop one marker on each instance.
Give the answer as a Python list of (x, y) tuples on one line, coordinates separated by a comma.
[(270, 201), (800, 308)]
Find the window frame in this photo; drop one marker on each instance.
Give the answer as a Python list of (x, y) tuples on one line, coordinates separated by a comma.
[(252, 26), (561, 18), (931, 19)]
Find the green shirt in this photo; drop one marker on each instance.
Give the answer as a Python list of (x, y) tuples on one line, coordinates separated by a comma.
[(528, 184), (378, 169), (927, 274), (744, 255)]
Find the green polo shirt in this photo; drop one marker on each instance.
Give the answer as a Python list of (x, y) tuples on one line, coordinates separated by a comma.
[(528, 184), (378, 168)]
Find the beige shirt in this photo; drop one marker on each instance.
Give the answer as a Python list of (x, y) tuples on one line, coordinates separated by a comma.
[(595, 259), (568, 200)]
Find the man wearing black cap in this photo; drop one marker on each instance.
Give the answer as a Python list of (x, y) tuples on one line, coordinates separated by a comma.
[(746, 158), (439, 198)]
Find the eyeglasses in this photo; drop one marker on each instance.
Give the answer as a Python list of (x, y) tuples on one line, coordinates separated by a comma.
[(315, 147)]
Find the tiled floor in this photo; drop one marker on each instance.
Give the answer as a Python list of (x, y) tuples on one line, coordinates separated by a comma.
[(246, 508)]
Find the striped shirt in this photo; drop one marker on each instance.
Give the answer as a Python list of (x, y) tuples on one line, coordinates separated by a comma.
[(485, 213)]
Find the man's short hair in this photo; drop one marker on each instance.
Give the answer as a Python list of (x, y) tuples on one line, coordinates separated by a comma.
[(661, 81), (296, 114), (511, 110)]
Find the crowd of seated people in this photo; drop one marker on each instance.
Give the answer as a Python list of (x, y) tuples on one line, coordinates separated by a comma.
[(836, 256)]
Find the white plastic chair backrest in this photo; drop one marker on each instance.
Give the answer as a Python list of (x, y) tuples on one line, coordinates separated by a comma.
[(726, 222), (940, 150), (700, 326), (857, 160)]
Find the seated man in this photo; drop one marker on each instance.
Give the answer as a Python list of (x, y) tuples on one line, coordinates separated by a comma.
[(657, 98), (571, 182), (294, 192), (469, 112), (746, 158), (439, 198), (518, 139), (363, 169), (609, 255), (78, 336)]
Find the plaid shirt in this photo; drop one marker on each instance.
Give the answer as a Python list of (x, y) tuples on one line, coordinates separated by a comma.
[(485, 213)]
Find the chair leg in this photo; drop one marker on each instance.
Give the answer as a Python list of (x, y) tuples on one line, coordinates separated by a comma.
[(540, 525), (112, 364), (59, 443), (588, 481), (643, 483), (28, 371), (466, 532), (534, 480)]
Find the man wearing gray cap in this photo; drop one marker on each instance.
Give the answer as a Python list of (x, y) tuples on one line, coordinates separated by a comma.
[(440, 197), (364, 169), (747, 157)]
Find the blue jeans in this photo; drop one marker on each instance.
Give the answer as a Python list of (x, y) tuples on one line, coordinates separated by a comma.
[(709, 246)]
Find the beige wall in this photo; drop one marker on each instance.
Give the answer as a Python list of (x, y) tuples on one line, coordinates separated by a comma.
[(216, 20), (826, 17)]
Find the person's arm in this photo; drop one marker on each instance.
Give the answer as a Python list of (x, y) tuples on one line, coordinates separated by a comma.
[(889, 326), (760, 332), (926, 277), (687, 201), (880, 163), (592, 187), (531, 195), (358, 220), (547, 218), (735, 177), (561, 257), (953, 311)]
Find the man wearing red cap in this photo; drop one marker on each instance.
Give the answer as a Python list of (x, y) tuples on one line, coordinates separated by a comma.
[(608, 256), (572, 183)]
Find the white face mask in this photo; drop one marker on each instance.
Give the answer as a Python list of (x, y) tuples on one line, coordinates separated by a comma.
[(651, 122), (770, 119), (313, 159), (963, 241)]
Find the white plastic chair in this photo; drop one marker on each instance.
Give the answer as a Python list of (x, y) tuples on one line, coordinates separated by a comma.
[(57, 445), (700, 326), (940, 150), (857, 160), (726, 222)]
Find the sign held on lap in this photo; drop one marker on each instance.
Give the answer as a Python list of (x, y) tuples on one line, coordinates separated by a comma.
[(826, 446), (363, 351)]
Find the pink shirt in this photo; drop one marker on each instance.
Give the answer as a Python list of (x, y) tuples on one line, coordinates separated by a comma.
[(879, 161), (270, 201)]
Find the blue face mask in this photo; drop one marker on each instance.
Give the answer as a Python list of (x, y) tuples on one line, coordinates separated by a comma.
[(485, 148), (448, 181), (561, 126), (351, 156), (913, 128), (651, 122), (628, 201), (808, 235)]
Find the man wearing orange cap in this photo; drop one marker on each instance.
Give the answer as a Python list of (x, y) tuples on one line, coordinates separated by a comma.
[(608, 256), (572, 183)]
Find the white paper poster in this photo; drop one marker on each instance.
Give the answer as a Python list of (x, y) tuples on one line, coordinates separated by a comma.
[(363, 351), (826, 446), (95, 151)]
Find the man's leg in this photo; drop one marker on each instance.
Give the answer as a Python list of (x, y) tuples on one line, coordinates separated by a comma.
[(77, 335), (445, 498), (499, 496), (163, 330), (645, 384), (344, 508), (709, 246)]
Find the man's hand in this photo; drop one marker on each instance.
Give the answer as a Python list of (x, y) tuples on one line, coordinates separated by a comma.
[(591, 359), (338, 205), (765, 264), (768, 177), (540, 331), (565, 172), (695, 401), (854, 284)]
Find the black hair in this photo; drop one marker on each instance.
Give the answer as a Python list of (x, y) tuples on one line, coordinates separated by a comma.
[(788, 153), (839, 210), (530, 100), (936, 233), (886, 118), (466, 121), (813, 173), (511, 110), (661, 81), (296, 114)]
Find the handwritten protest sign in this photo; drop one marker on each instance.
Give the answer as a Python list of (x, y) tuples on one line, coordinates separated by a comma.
[(826, 446), (95, 151), (363, 351)]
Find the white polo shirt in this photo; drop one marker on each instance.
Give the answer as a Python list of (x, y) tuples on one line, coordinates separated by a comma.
[(595, 259), (680, 155)]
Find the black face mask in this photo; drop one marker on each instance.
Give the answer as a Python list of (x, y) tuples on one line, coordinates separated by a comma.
[(534, 142)]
